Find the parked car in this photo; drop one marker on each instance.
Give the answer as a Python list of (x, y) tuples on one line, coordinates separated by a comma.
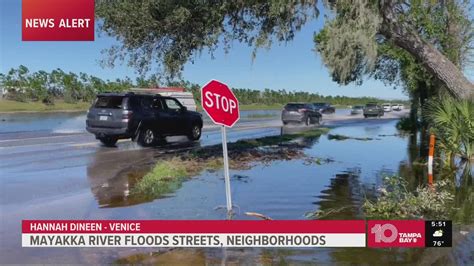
[(324, 108), (301, 113), (357, 110), (373, 109), (387, 107), (142, 117)]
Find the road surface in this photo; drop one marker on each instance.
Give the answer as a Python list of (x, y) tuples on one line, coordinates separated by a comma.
[(48, 175)]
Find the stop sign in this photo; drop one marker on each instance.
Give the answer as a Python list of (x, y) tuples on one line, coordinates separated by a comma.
[(220, 103)]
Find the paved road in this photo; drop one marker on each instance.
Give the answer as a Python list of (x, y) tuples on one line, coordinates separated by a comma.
[(71, 176)]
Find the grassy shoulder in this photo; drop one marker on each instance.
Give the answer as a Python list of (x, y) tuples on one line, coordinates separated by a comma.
[(7, 106)]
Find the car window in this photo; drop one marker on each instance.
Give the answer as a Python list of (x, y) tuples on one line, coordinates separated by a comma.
[(112, 102), (294, 106), (147, 103), (371, 105), (157, 105), (172, 104)]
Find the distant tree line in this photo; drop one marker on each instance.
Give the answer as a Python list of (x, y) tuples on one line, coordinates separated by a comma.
[(19, 84)]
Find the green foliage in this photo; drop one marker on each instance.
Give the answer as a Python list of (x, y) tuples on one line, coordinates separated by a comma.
[(407, 124), (170, 33), (397, 202), (47, 87), (357, 41), (164, 178), (347, 43), (452, 121)]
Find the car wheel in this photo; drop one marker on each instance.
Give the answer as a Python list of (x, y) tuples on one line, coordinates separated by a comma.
[(147, 137), (308, 121), (108, 141), (285, 123), (365, 116), (194, 133), (318, 121)]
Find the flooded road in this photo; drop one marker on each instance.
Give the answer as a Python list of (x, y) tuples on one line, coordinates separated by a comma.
[(53, 175)]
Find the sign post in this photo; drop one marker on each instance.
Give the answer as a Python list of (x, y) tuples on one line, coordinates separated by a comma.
[(220, 103)]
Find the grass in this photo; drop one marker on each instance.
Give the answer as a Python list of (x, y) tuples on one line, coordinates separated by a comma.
[(15, 106), (344, 137), (261, 107), (168, 175), (7, 106), (250, 107), (258, 116), (164, 178)]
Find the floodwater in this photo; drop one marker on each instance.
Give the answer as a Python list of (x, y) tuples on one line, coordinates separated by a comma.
[(286, 189)]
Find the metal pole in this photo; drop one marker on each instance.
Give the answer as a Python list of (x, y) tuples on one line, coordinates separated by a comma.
[(226, 170)]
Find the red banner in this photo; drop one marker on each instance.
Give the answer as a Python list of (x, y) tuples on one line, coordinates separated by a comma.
[(191, 226), (58, 20)]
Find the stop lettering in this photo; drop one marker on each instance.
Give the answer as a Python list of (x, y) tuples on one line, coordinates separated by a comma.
[(220, 103)]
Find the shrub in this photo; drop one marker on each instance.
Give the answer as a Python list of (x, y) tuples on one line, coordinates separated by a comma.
[(453, 123), (396, 202)]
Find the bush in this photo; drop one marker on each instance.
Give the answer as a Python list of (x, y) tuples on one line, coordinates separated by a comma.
[(407, 124), (396, 202)]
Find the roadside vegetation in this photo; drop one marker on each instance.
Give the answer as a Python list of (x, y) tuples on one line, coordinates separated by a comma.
[(169, 174), (452, 122), (397, 201), (60, 105), (51, 90)]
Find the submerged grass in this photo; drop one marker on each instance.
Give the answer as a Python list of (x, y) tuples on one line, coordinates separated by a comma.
[(164, 178), (344, 137), (168, 175)]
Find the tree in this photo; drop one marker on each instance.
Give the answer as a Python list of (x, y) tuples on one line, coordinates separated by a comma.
[(349, 43), (171, 33)]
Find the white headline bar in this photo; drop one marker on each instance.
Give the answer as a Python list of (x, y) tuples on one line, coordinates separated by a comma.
[(194, 240)]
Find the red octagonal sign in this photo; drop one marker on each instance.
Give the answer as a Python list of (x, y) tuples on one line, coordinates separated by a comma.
[(220, 103)]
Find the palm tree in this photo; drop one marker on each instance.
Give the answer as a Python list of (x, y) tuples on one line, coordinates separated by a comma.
[(453, 123)]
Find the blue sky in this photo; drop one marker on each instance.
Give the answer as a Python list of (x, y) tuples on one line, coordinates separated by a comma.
[(291, 66)]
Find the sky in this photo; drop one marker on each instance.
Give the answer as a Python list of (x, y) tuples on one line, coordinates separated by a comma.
[(291, 66)]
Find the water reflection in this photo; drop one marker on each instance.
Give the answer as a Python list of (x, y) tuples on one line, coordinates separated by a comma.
[(113, 173), (337, 190)]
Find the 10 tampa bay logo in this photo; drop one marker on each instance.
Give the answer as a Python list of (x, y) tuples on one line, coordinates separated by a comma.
[(396, 233)]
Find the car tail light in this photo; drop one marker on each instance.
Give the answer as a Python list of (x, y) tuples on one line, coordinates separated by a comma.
[(127, 114), (302, 110)]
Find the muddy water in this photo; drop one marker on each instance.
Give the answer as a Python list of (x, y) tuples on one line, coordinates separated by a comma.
[(280, 190)]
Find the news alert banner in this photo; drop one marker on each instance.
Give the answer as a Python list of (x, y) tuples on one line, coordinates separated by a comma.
[(216, 233)]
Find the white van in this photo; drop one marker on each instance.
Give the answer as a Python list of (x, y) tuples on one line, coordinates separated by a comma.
[(185, 98)]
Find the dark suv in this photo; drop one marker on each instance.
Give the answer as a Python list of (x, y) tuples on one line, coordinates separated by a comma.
[(145, 118), (301, 113), (324, 108)]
